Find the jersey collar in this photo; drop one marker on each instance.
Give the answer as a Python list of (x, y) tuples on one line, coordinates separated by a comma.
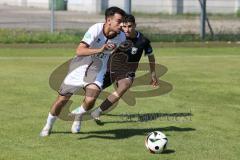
[(137, 36)]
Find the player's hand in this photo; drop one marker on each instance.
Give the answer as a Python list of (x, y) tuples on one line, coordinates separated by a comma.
[(154, 81), (110, 46), (107, 47)]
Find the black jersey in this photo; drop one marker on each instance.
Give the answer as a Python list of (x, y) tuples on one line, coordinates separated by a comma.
[(123, 64), (127, 60), (140, 44)]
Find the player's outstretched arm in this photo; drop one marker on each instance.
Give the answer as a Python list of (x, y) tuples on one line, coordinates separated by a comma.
[(84, 50), (154, 81)]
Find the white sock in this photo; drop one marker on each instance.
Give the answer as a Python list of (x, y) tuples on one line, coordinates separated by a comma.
[(79, 110), (51, 119)]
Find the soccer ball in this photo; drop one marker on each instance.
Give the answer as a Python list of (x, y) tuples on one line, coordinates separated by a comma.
[(156, 142)]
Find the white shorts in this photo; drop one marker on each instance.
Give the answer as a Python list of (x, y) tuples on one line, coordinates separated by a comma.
[(83, 70)]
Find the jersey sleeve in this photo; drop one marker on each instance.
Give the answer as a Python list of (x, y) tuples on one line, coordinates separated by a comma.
[(148, 48), (90, 35)]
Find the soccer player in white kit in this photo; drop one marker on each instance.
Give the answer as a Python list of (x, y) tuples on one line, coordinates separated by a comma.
[(88, 67)]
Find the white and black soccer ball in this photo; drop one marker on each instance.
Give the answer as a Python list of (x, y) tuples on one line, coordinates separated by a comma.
[(156, 142)]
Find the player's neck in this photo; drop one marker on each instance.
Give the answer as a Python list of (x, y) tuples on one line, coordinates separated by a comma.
[(133, 34), (107, 32)]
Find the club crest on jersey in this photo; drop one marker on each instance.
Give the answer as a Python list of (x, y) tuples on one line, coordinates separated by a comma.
[(98, 40), (134, 50)]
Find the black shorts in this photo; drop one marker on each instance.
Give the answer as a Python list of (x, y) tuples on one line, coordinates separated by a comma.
[(110, 78)]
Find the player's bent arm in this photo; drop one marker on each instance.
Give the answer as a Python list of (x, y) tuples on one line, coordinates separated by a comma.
[(84, 50), (154, 81), (151, 60)]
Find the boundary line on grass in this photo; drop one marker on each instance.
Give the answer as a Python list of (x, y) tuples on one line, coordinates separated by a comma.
[(65, 58)]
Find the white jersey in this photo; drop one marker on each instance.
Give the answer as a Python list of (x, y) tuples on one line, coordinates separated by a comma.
[(80, 65), (95, 37)]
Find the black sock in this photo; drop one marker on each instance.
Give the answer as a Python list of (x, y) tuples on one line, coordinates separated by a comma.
[(105, 105)]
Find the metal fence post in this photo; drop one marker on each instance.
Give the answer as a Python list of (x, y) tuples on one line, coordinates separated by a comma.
[(203, 20), (180, 7), (104, 5), (127, 6), (52, 16), (237, 6), (175, 7)]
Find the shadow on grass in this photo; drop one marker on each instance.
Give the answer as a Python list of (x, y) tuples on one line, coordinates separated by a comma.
[(168, 151), (118, 134), (130, 132), (61, 132), (145, 117)]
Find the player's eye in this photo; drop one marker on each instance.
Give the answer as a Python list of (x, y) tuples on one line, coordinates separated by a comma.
[(119, 21)]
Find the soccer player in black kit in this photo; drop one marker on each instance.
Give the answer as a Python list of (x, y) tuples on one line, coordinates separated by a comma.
[(123, 65)]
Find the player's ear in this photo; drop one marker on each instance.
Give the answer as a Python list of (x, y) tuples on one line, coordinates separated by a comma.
[(108, 20), (135, 24)]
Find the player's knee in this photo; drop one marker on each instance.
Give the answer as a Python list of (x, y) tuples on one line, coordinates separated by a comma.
[(92, 91), (63, 100), (122, 89), (124, 84)]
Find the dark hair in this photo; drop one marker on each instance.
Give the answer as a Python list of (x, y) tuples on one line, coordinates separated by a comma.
[(129, 18), (113, 10)]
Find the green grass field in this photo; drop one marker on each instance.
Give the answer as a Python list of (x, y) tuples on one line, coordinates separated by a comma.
[(206, 83)]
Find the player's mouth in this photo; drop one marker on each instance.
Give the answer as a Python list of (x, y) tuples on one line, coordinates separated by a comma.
[(127, 34)]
